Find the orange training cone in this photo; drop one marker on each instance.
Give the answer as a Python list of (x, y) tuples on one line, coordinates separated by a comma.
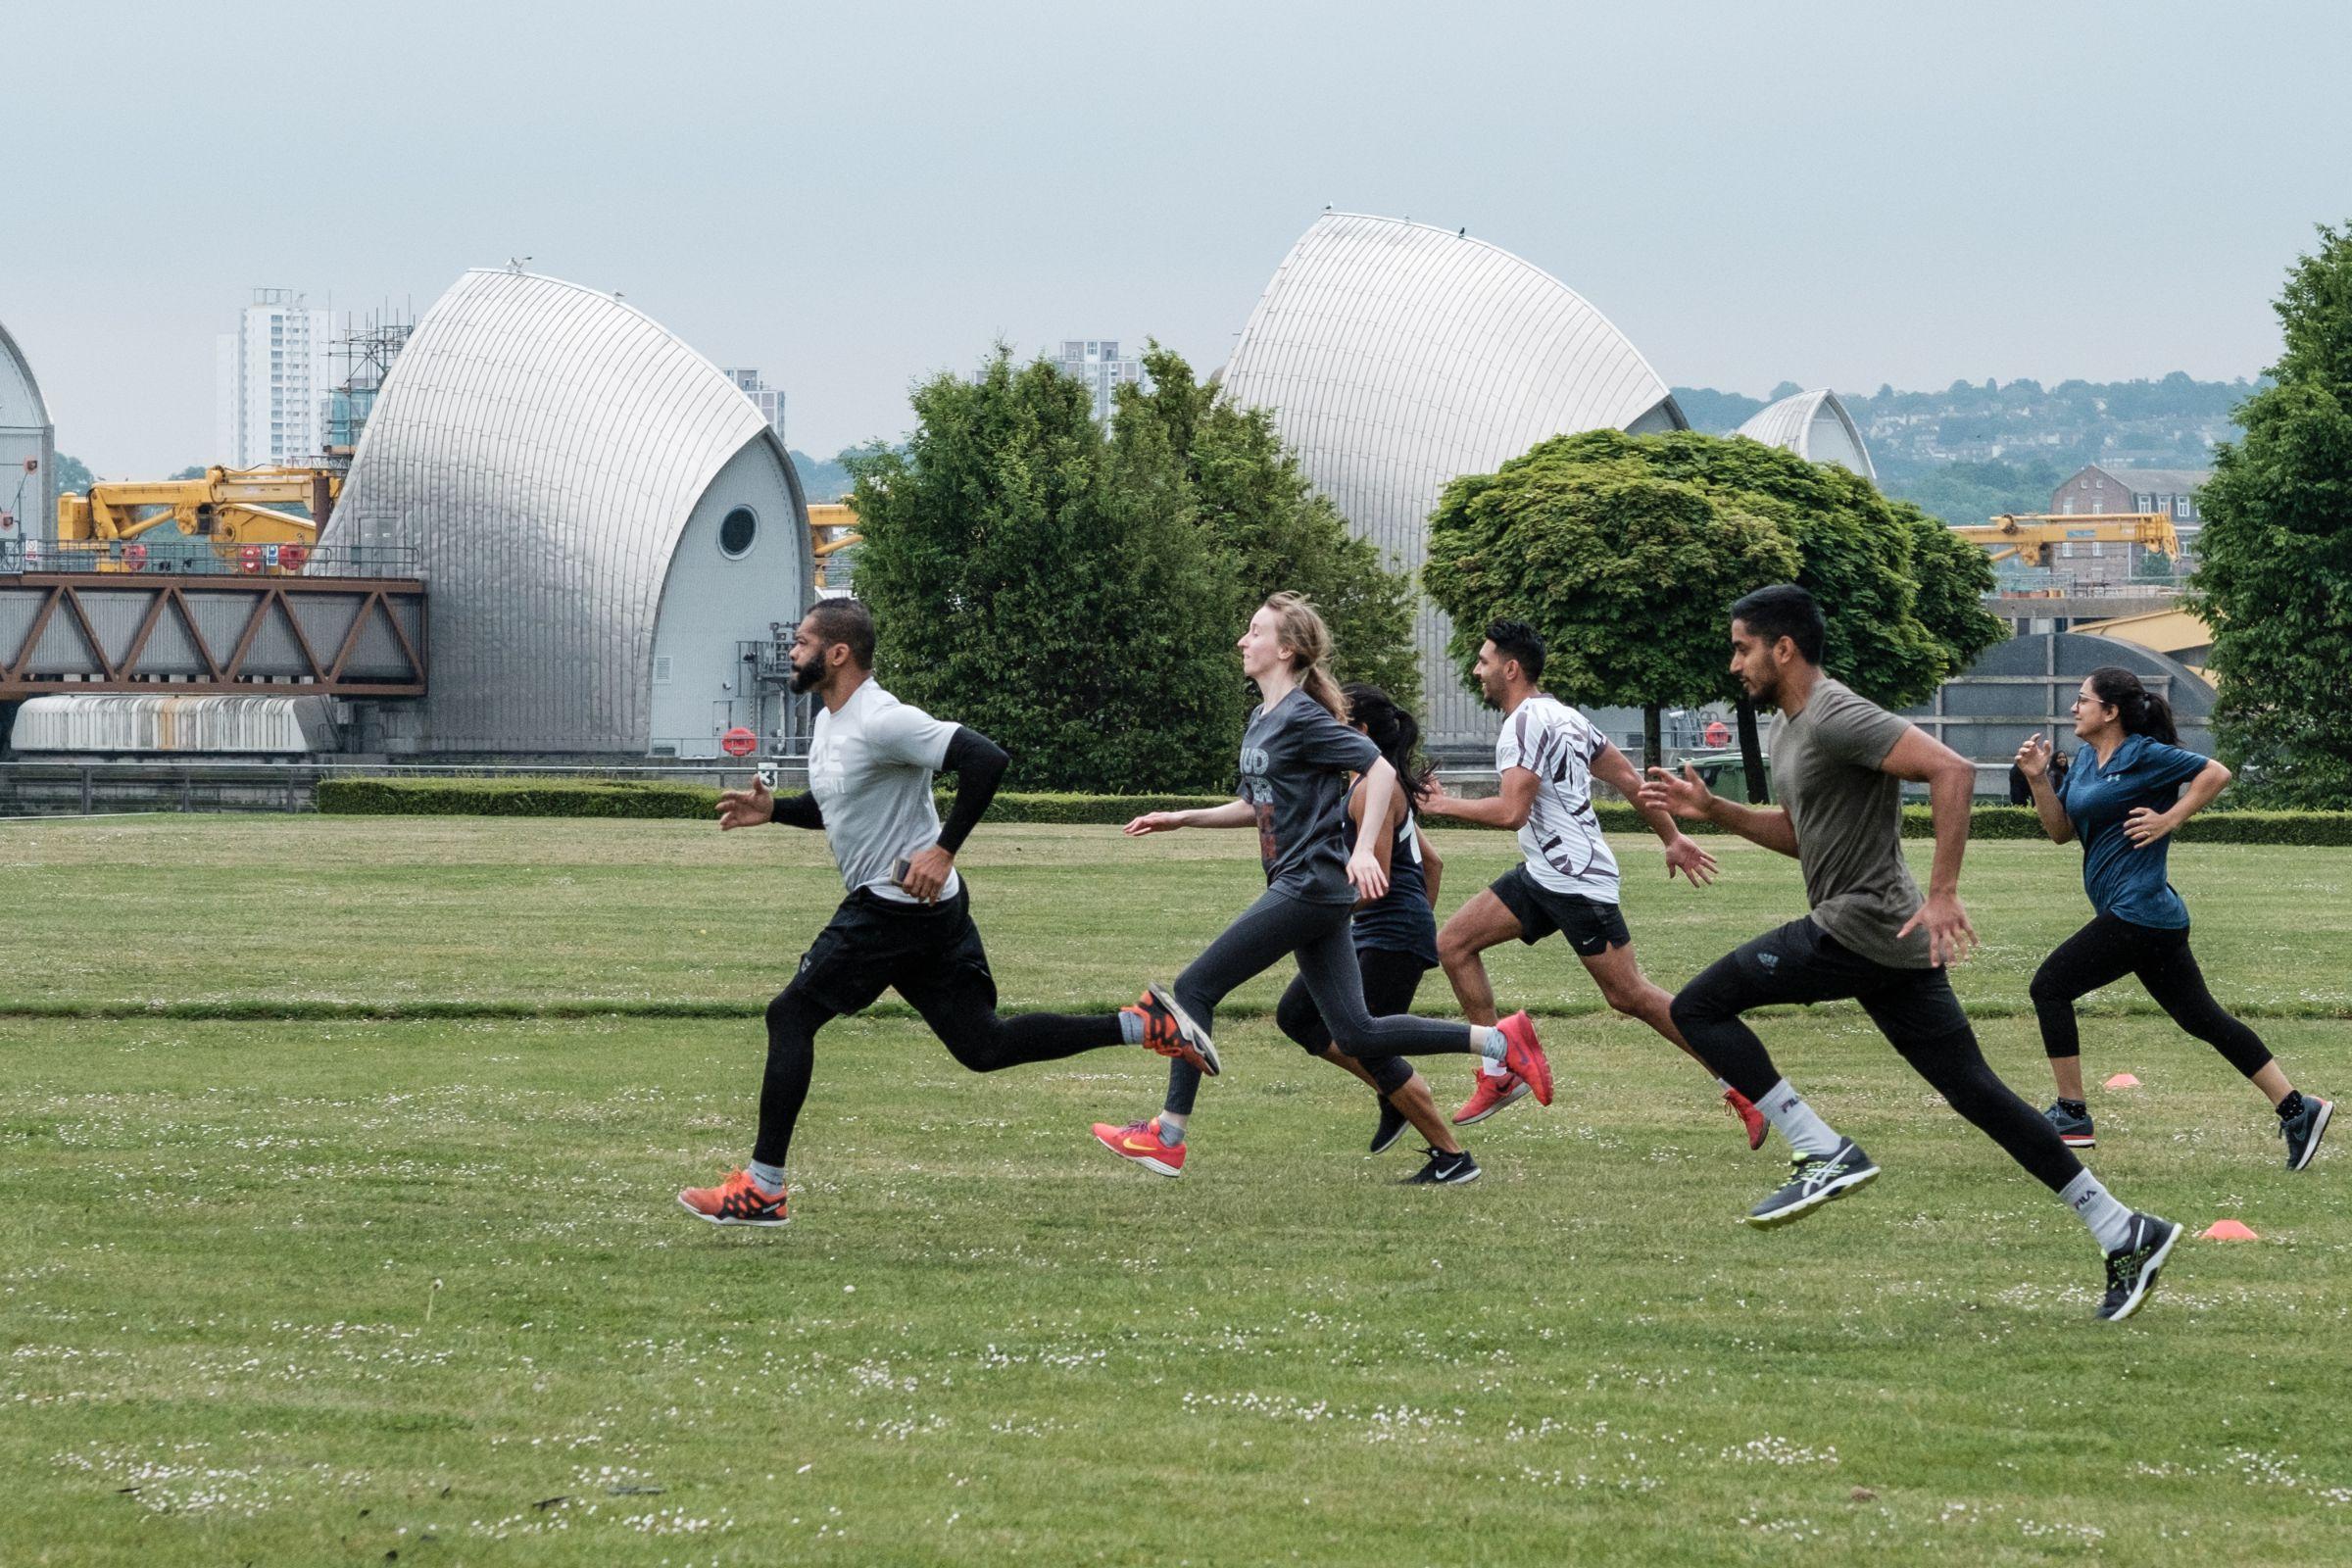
[(2227, 1230), (2123, 1080)]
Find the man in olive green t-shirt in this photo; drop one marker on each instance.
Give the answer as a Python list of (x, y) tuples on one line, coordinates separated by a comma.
[(1838, 762)]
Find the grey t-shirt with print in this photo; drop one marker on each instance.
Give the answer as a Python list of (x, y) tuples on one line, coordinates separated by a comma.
[(1848, 822), (1296, 758)]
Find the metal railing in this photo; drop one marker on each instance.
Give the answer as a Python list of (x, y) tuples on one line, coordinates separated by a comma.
[(179, 556)]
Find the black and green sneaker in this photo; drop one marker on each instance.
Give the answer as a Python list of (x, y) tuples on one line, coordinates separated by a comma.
[(1814, 1180), (2071, 1119), (2132, 1267), (2304, 1129)]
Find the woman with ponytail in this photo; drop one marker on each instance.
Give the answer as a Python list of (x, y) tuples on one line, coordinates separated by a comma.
[(2122, 798), (1297, 756)]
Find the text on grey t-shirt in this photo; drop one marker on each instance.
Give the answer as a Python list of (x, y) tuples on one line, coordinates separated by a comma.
[(1296, 758), (1847, 816)]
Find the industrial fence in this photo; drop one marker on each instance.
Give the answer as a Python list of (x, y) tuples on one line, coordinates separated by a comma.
[(96, 788)]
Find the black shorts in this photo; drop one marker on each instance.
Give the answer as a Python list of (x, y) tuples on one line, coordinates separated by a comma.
[(1592, 927), (1800, 962), (925, 952)]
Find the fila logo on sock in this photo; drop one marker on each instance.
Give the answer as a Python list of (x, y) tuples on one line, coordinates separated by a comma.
[(1788, 1103)]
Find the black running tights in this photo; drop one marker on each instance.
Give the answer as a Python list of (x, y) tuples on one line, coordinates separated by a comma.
[(2109, 949), (1389, 981), (962, 1014)]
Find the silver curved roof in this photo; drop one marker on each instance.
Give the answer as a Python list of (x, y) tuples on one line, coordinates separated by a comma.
[(21, 404), (538, 447), (1398, 357), (1816, 427)]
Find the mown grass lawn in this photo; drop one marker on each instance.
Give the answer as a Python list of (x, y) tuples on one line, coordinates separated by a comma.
[(327, 1288)]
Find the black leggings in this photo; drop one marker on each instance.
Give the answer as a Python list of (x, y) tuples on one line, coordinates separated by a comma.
[(1389, 980), (1277, 927), (2111, 947), (962, 1011), (1914, 1008)]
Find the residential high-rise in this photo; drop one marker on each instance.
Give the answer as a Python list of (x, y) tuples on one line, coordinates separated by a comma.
[(274, 375), (1097, 363), (768, 400)]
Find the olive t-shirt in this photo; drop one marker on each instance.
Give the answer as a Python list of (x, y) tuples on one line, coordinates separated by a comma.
[(1848, 822)]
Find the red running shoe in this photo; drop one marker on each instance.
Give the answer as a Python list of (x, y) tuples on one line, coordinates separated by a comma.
[(1524, 1056), (1170, 1030), (1745, 1111), (1491, 1094), (737, 1200), (1139, 1142)]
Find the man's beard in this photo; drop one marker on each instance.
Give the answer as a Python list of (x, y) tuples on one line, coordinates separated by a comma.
[(808, 677)]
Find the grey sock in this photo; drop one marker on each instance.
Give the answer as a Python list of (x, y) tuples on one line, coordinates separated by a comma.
[(1131, 1025), (769, 1177), (1171, 1128)]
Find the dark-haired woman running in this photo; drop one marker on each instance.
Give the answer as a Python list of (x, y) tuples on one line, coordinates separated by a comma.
[(2122, 798), (1297, 756), (1395, 944)]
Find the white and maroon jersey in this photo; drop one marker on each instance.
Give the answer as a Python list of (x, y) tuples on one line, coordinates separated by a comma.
[(1561, 837)]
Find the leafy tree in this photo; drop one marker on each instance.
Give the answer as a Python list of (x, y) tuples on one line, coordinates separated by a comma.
[(73, 474), (1038, 583), (1267, 526), (1862, 555), (194, 471), (2274, 574), (1587, 551)]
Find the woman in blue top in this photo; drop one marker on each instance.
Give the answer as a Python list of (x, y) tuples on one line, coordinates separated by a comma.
[(2122, 798), (1395, 943)]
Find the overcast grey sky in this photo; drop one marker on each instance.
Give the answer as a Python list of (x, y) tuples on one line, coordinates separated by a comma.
[(853, 197)]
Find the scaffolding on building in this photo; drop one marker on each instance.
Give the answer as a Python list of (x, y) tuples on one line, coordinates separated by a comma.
[(364, 356)]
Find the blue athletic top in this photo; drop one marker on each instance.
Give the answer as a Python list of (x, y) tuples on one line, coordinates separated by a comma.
[(1399, 920), (2123, 879)]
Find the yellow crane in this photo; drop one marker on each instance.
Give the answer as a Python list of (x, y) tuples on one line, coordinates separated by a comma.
[(2028, 537), (832, 528), (227, 509)]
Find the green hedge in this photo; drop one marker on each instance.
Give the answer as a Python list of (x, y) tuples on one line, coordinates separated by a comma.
[(615, 798)]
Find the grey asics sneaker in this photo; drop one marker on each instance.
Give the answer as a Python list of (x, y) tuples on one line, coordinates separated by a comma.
[(1391, 1128), (1444, 1170), (2132, 1267), (1814, 1180), (2074, 1126), (2303, 1130)]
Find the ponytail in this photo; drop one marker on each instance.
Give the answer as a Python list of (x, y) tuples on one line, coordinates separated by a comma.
[(1299, 627), (2139, 709), (1395, 733)]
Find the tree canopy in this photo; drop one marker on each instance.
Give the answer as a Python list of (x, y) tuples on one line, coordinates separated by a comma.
[(2274, 574)]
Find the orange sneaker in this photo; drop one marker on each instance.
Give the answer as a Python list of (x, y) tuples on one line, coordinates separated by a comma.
[(737, 1200), (1139, 1142), (1491, 1094), (1744, 1111), (1524, 1056), (1170, 1030)]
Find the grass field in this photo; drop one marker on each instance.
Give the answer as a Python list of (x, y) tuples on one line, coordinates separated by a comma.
[(285, 1279)]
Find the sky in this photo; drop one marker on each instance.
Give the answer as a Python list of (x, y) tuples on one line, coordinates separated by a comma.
[(855, 197)]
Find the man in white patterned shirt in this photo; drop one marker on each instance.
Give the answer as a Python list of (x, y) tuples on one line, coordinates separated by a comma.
[(1546, 759)]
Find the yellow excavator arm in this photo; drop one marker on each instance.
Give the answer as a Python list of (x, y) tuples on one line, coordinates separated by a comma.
[(225, 507), (2028, 537)]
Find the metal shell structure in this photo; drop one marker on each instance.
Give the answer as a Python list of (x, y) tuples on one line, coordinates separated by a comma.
[(1397, 357), (27, 494), (571, 479), (1816, 427)]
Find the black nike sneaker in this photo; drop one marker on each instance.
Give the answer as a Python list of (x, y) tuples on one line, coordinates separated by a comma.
[(1444, 1170), (1392, 1127), (2132, 1267), (2303, 1130), (2074, 1126), (1814, 1180)]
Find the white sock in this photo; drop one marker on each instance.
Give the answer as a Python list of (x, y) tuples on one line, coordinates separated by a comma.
[(1494, 1068), (1171, 1126), (1797, 1122), (2109, 1220), (1490, 1045)]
